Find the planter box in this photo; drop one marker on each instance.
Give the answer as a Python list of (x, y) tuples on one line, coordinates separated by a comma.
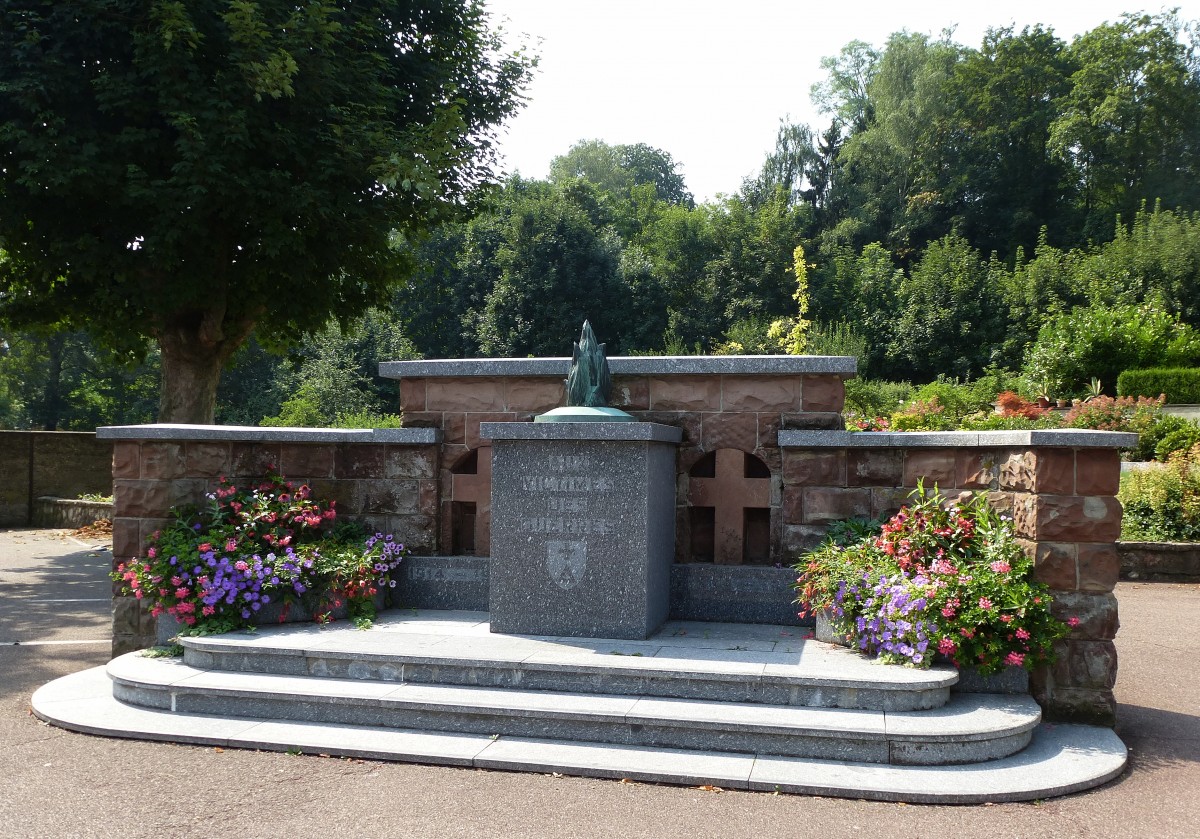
[(1011, 680)]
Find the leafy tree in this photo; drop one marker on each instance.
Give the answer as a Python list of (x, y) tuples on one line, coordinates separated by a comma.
[(615, 170), (227, 166)]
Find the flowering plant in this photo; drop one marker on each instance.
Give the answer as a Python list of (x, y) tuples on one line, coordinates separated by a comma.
[(861, 422), (215, 568), (938, 577)]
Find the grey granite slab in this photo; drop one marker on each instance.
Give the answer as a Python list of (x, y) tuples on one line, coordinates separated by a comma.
[(967, 716), (254, 434), (609, 761), (443, 748), (1055, 438), (646, 365), (585, 431)]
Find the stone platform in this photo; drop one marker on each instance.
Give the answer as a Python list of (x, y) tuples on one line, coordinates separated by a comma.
[(758, 707)]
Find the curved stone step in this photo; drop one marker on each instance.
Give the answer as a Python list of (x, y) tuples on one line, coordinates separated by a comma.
[(773, 665), (1060, 759), (970, 728)]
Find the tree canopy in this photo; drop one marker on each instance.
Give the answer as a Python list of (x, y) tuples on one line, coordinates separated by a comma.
[(189, 172)]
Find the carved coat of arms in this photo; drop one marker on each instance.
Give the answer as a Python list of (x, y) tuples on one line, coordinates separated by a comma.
[(565, 561)]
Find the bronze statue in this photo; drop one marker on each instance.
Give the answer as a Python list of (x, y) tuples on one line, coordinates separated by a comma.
[(589, 382)]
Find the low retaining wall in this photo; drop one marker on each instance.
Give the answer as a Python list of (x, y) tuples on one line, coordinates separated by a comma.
[(49, 511), (66, 464), (1160, 562)]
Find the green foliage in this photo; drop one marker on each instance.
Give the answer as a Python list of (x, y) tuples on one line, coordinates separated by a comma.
[(875, 397), (233, 165), (367, 419), (1103, 341), (1171, 434), (938, 577), (1163, 504), (1177, 384), (839, 338)]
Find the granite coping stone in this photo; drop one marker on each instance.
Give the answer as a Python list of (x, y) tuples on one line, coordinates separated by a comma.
[(1054, 438), (648, 365), (1060, 759), (616, 432), (254, 434)]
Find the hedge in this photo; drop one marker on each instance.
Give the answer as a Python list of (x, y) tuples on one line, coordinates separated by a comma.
[(1180, 384)]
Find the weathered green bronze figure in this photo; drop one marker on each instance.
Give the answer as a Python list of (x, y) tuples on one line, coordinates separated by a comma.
[(589, 382), (588, 385)]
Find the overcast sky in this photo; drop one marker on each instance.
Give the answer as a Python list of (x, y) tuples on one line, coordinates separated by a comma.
[(709, 80)]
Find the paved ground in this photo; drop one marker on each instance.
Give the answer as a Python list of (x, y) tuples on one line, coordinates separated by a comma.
[(53, 602)]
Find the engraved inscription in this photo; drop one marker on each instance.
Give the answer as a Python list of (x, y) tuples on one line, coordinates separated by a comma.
[(451, 575), (566, 561)]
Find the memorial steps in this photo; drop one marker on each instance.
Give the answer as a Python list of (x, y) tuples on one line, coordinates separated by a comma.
[(738, 706)]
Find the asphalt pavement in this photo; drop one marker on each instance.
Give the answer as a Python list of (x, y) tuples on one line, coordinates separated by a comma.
[(54, 620)]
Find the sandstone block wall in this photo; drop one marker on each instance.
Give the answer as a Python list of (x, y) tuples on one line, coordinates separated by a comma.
[(391, 487)]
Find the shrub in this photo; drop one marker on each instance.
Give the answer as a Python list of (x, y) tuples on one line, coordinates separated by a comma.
[(921, 415), (875, 397), (1177, 384), (1163, 504), (935, 578), (1103, 341)]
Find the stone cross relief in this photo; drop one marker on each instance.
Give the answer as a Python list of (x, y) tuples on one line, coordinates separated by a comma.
[(729, 493)]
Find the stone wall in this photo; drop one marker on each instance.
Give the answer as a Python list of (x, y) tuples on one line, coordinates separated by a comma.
[(1160, 562), (1060, 488), (386, 478), (60, 463)]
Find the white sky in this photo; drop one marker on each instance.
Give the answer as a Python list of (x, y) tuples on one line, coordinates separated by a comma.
[(709, 80)]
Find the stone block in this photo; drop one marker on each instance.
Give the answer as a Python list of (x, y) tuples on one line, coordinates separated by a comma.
[(768, 431), (1045, 471), (471, 425), (429, 497), (687, 421), (685, 393), (253, 460), (126, 538), (388, 497), (454, 427), (631, 393), (1097, 472), (416, 532), (740, 595), (136, 499), (443, 582), (126, 461), (1099, 566), (1086, 707), (814, 421), (424, 419), (208, 459), (874, 467), (760, 393), (473, 394), (412, 396), (798, 539), (582, 536), (1068, 518), (823, 393), (977, 469), (934, 466), (1096, 612), (126, 616), (887, 501), (1055, 564), (793, 505), (1087, 665), (814, 468), (535, 396), (162, 461), (360, 461), (822, 504), (729, 431), (310, 461)]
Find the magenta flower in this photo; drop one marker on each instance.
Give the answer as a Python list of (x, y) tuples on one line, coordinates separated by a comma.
[(984, 603), (1001, 567), (1014, 659)]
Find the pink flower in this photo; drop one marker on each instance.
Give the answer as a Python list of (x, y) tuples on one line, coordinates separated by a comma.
[(231, 545), (946, 647), (208, 610), (204, 547), (984, 603), (966, 633), (1006, 618), (1072, 621), (181, 593), (152, 552), (1014, 659), (241, 565), (1023, 634), (947, 611), (1001, 567)]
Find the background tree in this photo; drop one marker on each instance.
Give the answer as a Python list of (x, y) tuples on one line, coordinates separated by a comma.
[(187, 172)]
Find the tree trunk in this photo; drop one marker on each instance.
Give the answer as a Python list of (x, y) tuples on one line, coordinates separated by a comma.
[(193, 353)]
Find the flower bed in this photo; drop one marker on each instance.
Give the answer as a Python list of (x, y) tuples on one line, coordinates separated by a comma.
[(938, 578), (261, 549)]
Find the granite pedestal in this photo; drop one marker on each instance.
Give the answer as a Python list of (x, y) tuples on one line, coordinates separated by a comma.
[(583, 527)]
